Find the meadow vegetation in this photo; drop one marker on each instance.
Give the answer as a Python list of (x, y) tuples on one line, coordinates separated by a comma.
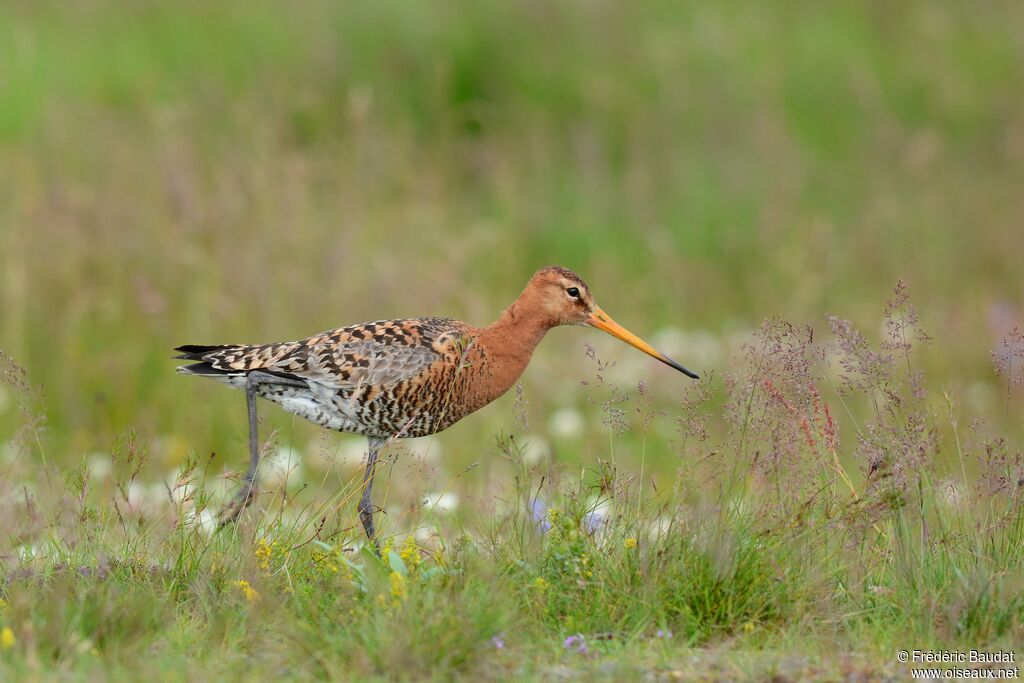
[(759, 189)]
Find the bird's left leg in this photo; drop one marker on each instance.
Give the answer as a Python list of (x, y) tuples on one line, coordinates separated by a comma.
[(253, 381), (366, 501)]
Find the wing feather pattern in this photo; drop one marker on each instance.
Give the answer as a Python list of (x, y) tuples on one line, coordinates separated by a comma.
[(380, 354)]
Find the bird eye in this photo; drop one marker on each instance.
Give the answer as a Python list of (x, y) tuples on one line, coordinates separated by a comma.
[(574, 292)]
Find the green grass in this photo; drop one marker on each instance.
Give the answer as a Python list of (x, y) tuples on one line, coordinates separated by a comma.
[(196, 173), (141, 597)]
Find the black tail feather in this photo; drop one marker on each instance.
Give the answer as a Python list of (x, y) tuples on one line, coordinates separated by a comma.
[(205, 369), (197, 351), (208, 369)]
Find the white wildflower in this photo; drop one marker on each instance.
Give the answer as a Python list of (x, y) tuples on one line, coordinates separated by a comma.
[(567, 423), (283, 468), (427, 449), (534, 449), (351, 452), (445, 501), (100, 466)]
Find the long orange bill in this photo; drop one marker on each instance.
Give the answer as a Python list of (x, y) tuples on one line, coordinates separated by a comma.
[(603, 321)]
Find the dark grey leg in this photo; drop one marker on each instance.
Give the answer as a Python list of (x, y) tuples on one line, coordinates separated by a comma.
[(245, 496), (366, 502)]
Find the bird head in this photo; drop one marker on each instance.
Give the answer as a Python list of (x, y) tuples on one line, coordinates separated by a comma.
[(565, 299)]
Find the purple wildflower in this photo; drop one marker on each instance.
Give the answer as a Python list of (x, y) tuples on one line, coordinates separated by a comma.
[(663, 633), (539, 512), (593, 521), (498, 641), (577, 644)]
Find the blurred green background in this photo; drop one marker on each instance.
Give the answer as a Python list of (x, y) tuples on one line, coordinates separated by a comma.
[(194, 172)]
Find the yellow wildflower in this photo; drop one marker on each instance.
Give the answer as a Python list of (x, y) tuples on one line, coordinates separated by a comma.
[(748, 627), (630, 543), (247, 590), (6, 638), (263, 553), (398, 591), (325, 561), (540, 584), (410, 553)]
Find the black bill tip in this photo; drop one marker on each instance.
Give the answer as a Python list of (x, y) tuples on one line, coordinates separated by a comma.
[(680, 368)]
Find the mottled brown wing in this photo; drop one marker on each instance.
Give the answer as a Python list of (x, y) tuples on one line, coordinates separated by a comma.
[(330, 364), (358, 363), (378, 353)]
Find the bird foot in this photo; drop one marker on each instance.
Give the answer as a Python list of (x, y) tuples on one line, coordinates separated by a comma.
[(242, 500)]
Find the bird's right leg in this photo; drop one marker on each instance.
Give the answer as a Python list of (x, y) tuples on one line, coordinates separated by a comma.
[(245, 496), (366, 501)]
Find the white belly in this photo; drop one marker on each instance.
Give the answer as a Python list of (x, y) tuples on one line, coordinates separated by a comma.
[(316, 404), (318, 410)]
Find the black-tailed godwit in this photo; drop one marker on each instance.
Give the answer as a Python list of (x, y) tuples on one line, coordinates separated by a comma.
[(402, 378)]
